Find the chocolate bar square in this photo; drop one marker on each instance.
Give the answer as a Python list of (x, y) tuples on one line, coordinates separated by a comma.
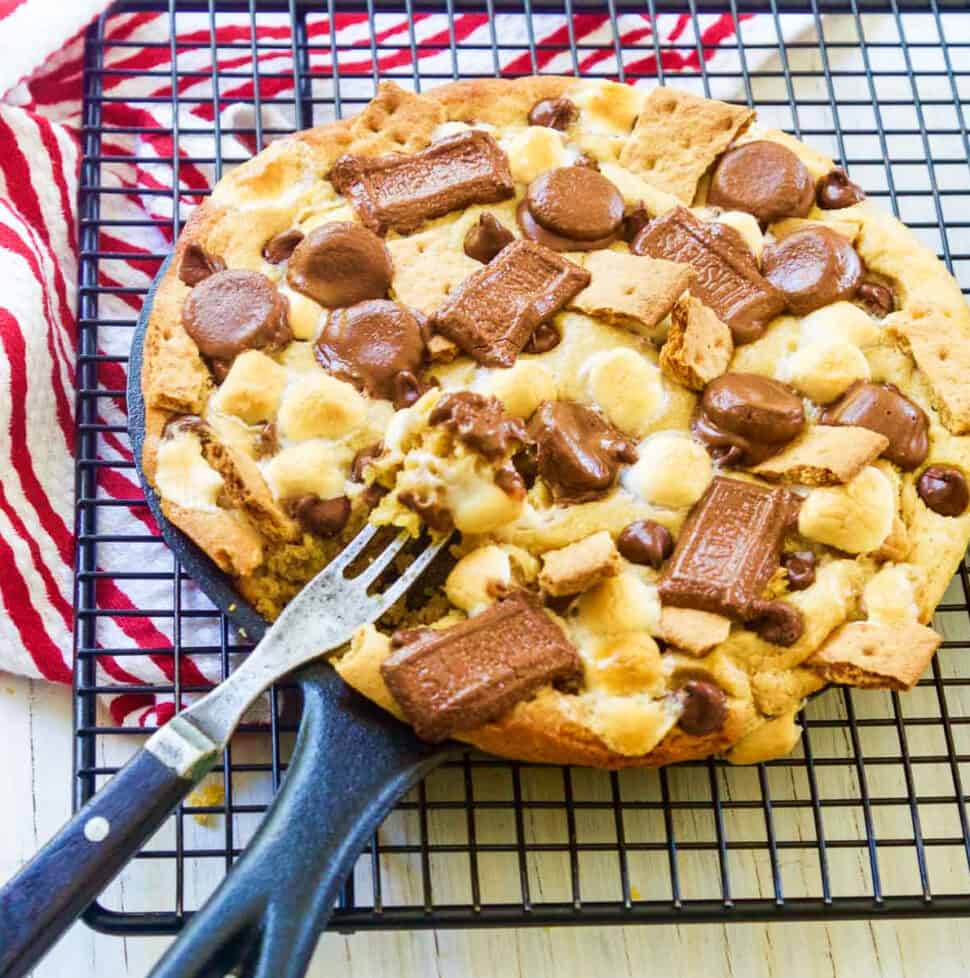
[(729, 548), (461, 677), (492, 314), (399, 193)]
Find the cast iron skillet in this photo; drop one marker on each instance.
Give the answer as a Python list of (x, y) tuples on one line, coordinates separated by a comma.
[(351, 763)]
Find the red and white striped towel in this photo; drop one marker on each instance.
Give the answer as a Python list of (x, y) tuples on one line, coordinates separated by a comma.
[(40, 133)]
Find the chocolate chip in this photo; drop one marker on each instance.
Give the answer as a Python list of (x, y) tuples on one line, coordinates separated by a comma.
[(281, 246), (364, 458), (944, 490), (219, 369), (645, 542), (324, 517), (484, 240), (778, 622), (705, 708), (635, 219), (800, 569), (480, 422), (877, 299), (545, 337), (885, 409), (232, 311), (407, 389), (553, 113), (762, 178), (196, 264), (434, 513), (835, 190)]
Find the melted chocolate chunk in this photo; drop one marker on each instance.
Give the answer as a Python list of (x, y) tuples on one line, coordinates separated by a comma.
[(835, 191), (508, 479), (431, 510), (728, 549), (877, 299), (635, 219), (778, 622), (545, 337), (534, 231), (705, 708), (378, 346), (944, 490), (645, 542), (492, 314), (812, 268), (577, 453), (883, 408), (219, 369), (196, 264), (399, 193), (324, 517), (799, 568), (745, 418), (726, 276), (281, 246), (575, 203), (229, 312), (487, 238), (480, 422), (763, 178), (363, 458), (340, 264), (454, 679), (553, 113)]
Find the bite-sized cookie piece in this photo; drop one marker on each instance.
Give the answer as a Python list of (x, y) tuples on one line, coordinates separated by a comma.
[(579, 566), (762, 178), (486, 238), (632, 291), (943, 488), (340, 264), (883, 408), (726, 553), (856, 517), (876, 656), (696, 632), (726, 276), (232, 311), (941, 348), (400, 193), (746, 418), (492, 314), (196, 264), (571, 208), (699, 346), (252, 388), (480, 422), (825, 455), (677, 136), (378, 346), (812, 268), (454, 679), (577, 453), (835, 190), (645, 542)]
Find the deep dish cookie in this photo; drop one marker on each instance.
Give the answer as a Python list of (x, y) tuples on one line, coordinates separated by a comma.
[(695, 408)]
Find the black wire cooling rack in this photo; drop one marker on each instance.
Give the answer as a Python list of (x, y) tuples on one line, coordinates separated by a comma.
[(867, 818)]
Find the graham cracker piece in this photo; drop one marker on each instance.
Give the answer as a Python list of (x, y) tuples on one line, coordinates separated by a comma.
[(678, 135), (579, 566), (875, 656), (395, 121), (699, 346), (696, 632), (896, 546), (226, 536), (177, 379), (632, 291), (941, 348), (825, 455)]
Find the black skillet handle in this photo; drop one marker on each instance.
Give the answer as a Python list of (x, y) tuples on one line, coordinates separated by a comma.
[(351, 764), (48, 894)]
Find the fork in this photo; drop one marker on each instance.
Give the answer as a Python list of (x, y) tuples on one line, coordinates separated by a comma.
[(41, 901)]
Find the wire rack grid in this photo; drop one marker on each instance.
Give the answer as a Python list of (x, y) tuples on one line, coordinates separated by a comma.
[(867, 817)]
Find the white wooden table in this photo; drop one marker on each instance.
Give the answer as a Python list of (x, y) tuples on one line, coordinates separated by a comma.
[(36, 728)]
